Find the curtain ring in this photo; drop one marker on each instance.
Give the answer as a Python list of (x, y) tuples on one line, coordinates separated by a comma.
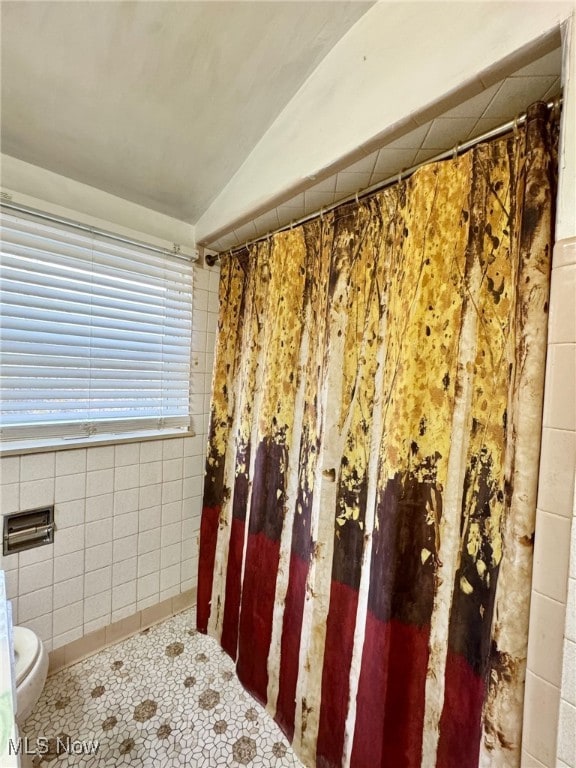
[(400, 175), (321, 213), (515, 127), (455, 150), (292, 225), (357, 201)]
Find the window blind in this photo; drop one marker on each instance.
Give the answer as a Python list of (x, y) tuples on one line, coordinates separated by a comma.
[(95, 334)]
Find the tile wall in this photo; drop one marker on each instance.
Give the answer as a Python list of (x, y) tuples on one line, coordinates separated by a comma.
[(127, 515), (550, 700)]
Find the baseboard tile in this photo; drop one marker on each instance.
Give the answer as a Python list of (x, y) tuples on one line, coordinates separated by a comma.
[(111, 634)]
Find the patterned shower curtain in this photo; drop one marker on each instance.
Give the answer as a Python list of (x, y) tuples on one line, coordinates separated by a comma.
[(367, 530)]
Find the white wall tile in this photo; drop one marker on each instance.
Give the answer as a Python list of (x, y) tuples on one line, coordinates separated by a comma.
[(148, 602), (36, 555), (188, 569), (171, 534), (34, 604), (171, 491), (567, 733), (69, 617), (200, 299), (101, 457), (201, 277), (541, 703), (150, 473), (568, 687), (68, 592), (125, 525), (192, 486), (148, 586), (42, 626), (214, 280), (98, 532), (12, 581), (170, 555), (171, 513), (99, 481), (570, 630), (126, 501), (556, 479), (551, 545), (195, 446), (150, 496), (69, 487), (545, 638), (126, 570), (36, 493), (173, 448), (71, 462), (199, 340), (124, 548), (189, 549), (68, 566), (67, 637), (148, 562), (564, 252), (151, 450), (37, 466), (96, 606), (9, 469), (126, 477), (193, 466), (34, 577), (199, 320), (98, 581), (149, 518), (559, 401), (10, 498), (126, 453), (148, 540), (172, 470), (562, 321), (99, 507), (98, 557), (68, 540), (69, 513), (169, 577), (529, 761), (123, 594)]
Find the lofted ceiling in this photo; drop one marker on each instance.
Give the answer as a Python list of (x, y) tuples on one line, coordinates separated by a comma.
[(156, 102), (162, 103), (500, 100)]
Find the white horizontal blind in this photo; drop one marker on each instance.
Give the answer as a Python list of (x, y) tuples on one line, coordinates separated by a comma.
[(95, 334)]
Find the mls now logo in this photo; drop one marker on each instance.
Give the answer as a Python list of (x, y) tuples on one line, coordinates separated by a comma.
[(59, 745)]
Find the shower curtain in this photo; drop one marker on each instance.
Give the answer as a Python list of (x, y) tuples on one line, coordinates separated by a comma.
[(367, 529)]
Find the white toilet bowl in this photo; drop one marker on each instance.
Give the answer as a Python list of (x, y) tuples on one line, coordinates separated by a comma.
[(31, 668)]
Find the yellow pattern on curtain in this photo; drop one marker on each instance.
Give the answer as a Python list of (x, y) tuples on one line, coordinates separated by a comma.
[(367, 530)]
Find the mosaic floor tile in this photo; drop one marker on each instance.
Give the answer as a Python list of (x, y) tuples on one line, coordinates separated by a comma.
[(165, 698)]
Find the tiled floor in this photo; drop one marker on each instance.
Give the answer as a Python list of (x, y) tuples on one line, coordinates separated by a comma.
[(167, 697)]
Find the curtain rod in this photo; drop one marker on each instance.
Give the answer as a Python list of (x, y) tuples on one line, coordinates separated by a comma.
[(95, 230), (403, 174)]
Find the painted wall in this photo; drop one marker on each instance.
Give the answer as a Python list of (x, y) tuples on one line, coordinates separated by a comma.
[(355, 95), (127, 515)]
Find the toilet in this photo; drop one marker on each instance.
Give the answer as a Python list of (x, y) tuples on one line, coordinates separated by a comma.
[(31, 670)]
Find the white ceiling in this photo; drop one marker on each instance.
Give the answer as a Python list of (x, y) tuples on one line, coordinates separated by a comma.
[(420, 140), (160, 103), (156, 102)]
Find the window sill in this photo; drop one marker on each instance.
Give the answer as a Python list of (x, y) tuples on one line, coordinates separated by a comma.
[(22, 447)]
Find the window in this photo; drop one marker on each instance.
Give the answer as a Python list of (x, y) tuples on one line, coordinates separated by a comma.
[(95, 333)]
